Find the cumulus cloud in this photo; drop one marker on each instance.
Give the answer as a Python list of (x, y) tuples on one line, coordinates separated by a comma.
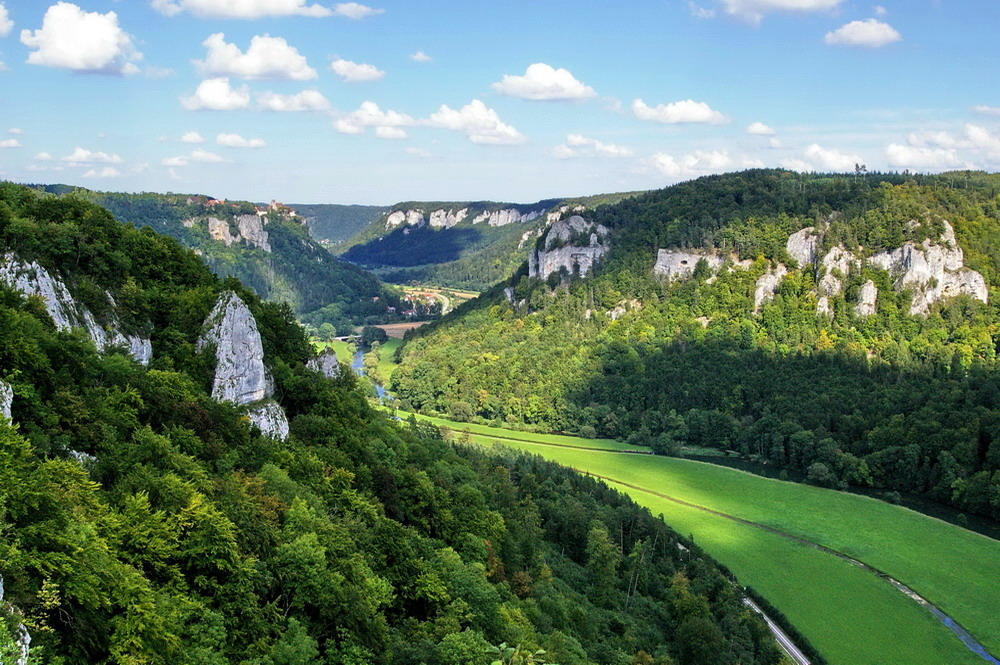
[(354, 72), (307, 100), (818, 158), (420, 56), (198, 155), (105, 172), (541, 82), (237, 141), (6, 25), (43, 157), (700, 12), (356, 11), (387, 123), (692, 164), (217, 95), (82, 156), (192, 137), (914, 157), (754, 10), (10, 143), (248, 9), (760, 129), (577, 145), (937, 150), (479, 122), (986, 110), (71, 38), (870, 33), (684, 111), (266, 58), (15, 131)]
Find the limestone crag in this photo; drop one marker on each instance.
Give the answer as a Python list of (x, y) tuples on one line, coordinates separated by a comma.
[(767, 286), (219, 231), (445, 219), (252, 230), (240, 374), (6, 399), (575, 245), (867, 299), (505, 217), (325, 363), (803, 245), (680, 264), (22, 639), (34, 280), (935, 270), (409, 217)]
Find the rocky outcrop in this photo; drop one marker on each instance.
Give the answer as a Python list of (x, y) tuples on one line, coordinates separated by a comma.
[(325, 363), (867, 299), (505, 217), (445, 219), (22, 639), (934, 270), (575, 245), (410, 217), (680, 264), (241, 377), (251, 229), (219, 231), (803, 245), (6, 399), (767, 286), (34, 280), (623, 308)]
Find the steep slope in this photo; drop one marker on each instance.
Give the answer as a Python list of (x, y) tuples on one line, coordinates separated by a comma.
[(268, 248), (148, 516), (332, 224), (844, 329), (457, 244)]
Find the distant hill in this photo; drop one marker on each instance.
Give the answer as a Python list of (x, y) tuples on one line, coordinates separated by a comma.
[(458, 244), (332, 223)]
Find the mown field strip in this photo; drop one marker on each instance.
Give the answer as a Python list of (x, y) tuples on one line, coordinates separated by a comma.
[(898, 631)]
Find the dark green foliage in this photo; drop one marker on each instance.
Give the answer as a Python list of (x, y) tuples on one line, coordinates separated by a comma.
[(334, 223), (889, 401)]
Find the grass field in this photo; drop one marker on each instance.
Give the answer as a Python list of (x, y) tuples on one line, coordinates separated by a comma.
[(849, 614)]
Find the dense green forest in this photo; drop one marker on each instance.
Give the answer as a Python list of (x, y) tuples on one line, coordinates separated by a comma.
[(296, 270), (143, 522), (335, 223), (894, 401)]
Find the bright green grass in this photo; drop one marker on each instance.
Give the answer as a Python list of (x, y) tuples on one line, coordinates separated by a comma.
[(952, 567), (386, 365)]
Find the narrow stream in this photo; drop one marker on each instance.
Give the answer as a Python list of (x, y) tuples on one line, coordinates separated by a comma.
[(358, 365)]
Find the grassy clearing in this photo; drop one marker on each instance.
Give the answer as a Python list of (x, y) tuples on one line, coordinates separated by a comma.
[(848, 613)]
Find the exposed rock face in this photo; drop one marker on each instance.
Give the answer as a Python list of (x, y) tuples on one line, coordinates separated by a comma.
[(252, 230), (326, 364), (410, 217), (22, 639), (802, 246), (556, 215), (935, 270), (6, 399), (240, 375), (505, 217), (767, 285), (508, 293), (680, 263), (219, 230), (188, 223), (34, 280), (447, 218), (562, 248), (867, 299), (623, 308)]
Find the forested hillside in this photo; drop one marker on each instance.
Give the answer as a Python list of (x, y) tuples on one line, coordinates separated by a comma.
[(827, 324), (142, 521), (335, 223), (272, 253)]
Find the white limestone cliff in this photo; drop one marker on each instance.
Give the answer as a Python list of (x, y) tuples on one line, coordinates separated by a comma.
[(251, 229), (563, 248), (22, 639), (680, 263), (6, 399), (241, 377), (219, 231), (505, 217), (803, 245), (767, 286), (445, 219), (34, 280), (325, 363), (867, 299)]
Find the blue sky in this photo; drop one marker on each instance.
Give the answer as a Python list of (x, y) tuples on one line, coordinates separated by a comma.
[(511, 101)]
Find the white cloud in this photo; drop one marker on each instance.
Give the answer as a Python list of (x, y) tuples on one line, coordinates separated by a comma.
[(266, 58), (81, 156), (420, 56), (217, 95), (986, 110), (687, 110), (754, 10), (307, 100), (6, 25), (386, 123), (105, 172), (541, 82), (773, 143), (700, 12), (192, 137), (174, 161), (760, 129), (157, 73), (237, 141), (938, 149), (10, 143), (241, 8), (914, 157), (15, 131), (880, 10), (71, 38), (206, 157), (870, 33), (479, 122), (353, 72), (692, 164), (43, 157), (356, 11), (418, 152), (818, 158), (578, 145), (984, 141)]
